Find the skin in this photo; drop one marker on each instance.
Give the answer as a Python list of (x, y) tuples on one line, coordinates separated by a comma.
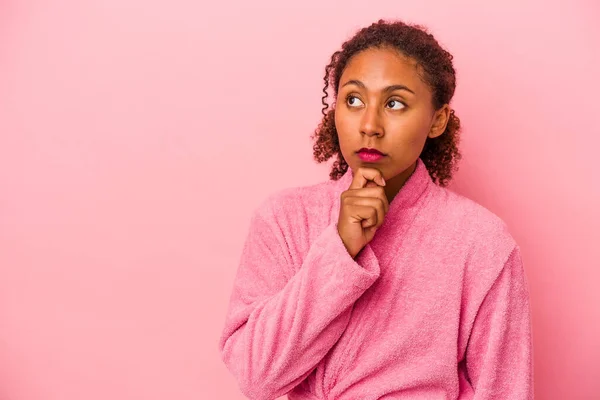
[(396, 122)]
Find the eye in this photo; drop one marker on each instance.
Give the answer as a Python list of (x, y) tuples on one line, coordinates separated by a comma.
[(353, 103), (396, 103)]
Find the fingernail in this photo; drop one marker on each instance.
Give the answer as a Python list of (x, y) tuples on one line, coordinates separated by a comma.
[(383, 180)]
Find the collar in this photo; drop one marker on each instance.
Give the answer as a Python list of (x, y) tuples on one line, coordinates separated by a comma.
[(408, 196)]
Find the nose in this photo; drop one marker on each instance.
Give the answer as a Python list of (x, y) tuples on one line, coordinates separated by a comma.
[(370, 123)]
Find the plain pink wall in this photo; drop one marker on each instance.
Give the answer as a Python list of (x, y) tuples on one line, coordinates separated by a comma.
[(136, 137)]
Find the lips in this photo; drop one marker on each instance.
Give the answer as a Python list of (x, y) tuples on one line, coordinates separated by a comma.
[(370, 155), (370, 151)]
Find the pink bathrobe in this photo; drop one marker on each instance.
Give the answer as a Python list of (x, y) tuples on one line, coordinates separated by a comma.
[(436, 306)]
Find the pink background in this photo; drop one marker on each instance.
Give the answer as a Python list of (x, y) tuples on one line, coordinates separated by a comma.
[(137, 136)]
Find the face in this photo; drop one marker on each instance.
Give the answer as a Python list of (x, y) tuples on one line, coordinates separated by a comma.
[(382, 103)]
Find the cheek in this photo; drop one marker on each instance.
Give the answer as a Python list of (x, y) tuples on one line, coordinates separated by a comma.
[(412, 125), (409, 134), (343, 124), (346, 121), (339, 118)]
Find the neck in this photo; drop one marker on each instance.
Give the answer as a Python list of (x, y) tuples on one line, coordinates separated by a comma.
[(393, 185)]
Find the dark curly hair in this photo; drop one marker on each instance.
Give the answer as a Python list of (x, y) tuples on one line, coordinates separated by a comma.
[(439, 154)]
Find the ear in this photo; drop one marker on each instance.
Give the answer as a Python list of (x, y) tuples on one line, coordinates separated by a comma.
[(439, 122)]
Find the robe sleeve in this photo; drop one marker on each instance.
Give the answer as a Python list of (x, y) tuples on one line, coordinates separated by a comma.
[(280, 324), (500, 353)]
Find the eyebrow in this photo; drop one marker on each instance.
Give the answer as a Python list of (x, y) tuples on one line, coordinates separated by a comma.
[(386, 89)]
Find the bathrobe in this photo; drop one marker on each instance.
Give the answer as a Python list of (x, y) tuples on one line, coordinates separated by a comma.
[(436, 306)]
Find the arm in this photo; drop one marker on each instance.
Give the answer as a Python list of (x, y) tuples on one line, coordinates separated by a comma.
[(280, 324), (500, 351)]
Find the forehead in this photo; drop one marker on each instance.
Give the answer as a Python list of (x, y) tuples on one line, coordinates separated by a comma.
[(380, 67)]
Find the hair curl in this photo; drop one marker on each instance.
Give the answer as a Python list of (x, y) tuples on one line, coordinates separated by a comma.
[(439, 154)]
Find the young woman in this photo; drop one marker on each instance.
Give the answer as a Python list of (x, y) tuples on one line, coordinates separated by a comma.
[(381, 283)]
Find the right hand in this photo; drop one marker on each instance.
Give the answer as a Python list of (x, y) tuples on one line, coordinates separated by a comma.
[(362, 209)]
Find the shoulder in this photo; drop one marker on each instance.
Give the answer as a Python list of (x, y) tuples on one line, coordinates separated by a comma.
[(478, 228), (292, 204), (463, 212), (294, 216)]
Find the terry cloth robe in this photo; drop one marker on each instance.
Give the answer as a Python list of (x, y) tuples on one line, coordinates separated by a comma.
[(436, 306)]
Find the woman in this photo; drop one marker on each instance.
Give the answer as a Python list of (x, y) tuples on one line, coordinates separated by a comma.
[(381, 283)]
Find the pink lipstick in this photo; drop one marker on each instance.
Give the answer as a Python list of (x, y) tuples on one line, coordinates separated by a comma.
[(370, 155)]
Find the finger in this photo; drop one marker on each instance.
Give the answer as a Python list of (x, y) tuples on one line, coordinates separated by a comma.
[(365, 174), (362, 214), (368, 208), (375, 192), (368, 217)]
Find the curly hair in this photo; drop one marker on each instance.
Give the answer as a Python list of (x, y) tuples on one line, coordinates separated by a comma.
[(439, 154)]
